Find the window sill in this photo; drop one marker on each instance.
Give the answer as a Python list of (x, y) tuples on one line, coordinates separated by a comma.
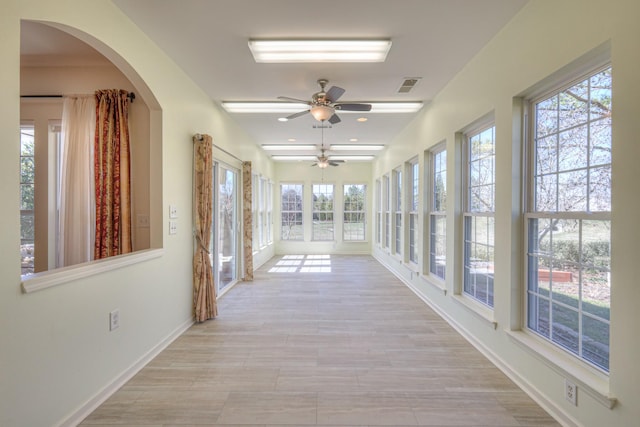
[(435, 282), (484, 313), (59, 276), (592, 381)]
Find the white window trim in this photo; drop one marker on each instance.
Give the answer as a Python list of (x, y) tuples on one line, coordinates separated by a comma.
[(301, 239), (430, 213), (364, 212), (333, 212), (413, 181), (397, 186), (473, 130), (592, 378)]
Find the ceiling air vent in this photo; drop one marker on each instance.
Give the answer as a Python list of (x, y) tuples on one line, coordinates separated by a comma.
[(408, 83)]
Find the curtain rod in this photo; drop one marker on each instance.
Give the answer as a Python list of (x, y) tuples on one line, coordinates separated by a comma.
[(199, 137), (131, 96)]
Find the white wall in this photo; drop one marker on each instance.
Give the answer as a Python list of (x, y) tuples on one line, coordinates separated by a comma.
[(56, 351), (544, 37), (303, 173)]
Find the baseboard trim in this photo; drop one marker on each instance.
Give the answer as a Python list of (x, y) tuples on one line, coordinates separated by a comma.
[(556, 412), (99, 398)]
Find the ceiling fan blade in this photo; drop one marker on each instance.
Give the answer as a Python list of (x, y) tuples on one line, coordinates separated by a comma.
[(353, 107), (334, 119), (294, 115), (337, 161), (314, 164), (297, 101), (334, 164), (334, 93)]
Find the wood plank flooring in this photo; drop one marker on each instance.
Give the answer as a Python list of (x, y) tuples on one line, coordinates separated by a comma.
[(321, 341)]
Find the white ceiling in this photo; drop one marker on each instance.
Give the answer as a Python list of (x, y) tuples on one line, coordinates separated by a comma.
[(432, 39)]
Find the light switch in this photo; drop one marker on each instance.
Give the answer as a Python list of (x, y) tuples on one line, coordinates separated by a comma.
[(173, 211), (173, 227)]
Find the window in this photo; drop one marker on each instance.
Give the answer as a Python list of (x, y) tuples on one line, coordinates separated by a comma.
[(27, 198), (322, 212), (386, 203), (397, 178), (254, 212), (479, 215), (353, 228), (378, 212), (262, 212), (269, 221), (291, 211), (437, 212), (414, 197), (568, 218)]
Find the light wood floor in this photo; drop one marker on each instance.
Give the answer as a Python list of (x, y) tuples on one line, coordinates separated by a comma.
[(331, 342)]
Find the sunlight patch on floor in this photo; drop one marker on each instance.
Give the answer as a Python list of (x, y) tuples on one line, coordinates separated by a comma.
[(302, 264)]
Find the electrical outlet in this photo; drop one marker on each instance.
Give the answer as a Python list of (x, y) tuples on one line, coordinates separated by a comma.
[(114, 320), (173, 211), (142, 221), (571, 392), (173, 227)]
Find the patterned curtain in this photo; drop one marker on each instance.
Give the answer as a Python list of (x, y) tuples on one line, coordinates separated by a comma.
[(247, 221), (112, 174), (204, 291)]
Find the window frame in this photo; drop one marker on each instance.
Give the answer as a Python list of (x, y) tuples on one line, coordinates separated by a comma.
[(436, 215), (315, 231), (378, 192), (255, 239), (362, 212), (471, 216), (533, 216), (386, 203), (297, 212), (413, 209), (397, 233)]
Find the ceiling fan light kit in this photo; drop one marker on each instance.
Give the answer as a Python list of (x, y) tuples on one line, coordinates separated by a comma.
[(321, 112), (287, 51)]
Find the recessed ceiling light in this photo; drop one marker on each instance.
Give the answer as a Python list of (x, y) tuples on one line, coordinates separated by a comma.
[(362, 119), (353, 140), (283, 119), (356, 147), (319, 50), (291, 140), (279, 147)]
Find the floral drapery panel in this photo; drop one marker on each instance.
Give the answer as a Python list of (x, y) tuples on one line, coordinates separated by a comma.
[(204, 291), (112, 174), (247, 218)]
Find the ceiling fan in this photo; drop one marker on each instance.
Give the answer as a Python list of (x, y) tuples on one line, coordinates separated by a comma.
[(324, 161), (323, 104)]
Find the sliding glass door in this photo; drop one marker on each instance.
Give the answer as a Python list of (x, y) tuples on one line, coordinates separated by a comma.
[(226, 226)]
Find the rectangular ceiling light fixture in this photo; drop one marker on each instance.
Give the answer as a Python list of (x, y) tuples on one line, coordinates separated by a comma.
[(298, 158), (319, 50), (264, 107), (356, 147), (352, 158), (285, 147), (292, 107)]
